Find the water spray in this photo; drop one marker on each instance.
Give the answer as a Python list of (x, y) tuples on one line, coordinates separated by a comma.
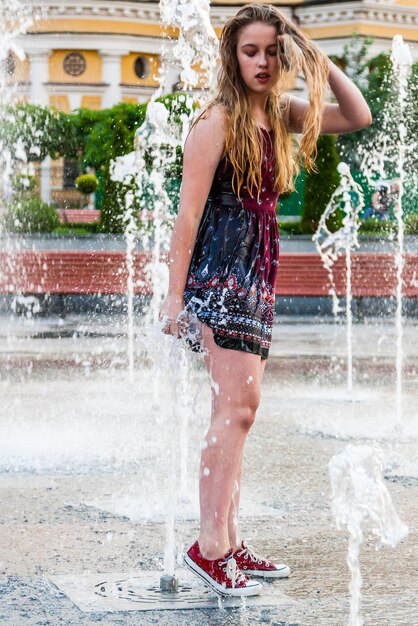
[(348, 198), (361, 501)]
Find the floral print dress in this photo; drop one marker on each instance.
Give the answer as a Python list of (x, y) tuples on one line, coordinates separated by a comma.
[(232, 275)]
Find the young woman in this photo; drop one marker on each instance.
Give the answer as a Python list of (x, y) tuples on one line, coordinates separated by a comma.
[(239, 155)]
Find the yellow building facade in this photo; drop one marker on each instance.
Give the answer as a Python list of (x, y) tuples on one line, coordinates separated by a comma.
[(90, 53)]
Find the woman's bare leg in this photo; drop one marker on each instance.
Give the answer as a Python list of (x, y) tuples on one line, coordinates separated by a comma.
[(235, 379), (233, 526)]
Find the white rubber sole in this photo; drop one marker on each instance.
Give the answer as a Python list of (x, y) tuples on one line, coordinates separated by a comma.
[(253, 588), (282, 572)]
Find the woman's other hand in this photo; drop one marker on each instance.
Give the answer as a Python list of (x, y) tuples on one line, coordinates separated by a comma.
[(170, 315)]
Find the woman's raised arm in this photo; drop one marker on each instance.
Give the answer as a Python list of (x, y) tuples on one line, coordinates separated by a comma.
[(350, 113)]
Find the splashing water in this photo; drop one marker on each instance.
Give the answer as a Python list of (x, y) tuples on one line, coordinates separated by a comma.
[(391, 157), (17, 146), (348, 197), (197, 43), (157, 141), (402, 62), (361, 501)]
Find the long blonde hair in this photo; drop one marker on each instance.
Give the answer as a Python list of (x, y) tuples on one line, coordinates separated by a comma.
[(242, 137)]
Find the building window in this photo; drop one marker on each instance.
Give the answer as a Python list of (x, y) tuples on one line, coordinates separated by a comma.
[(71, 171), (8, 66), (74, 64), (141, 67)]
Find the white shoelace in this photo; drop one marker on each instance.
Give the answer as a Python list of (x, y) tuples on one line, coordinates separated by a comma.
[(232, 572), (249, 552)]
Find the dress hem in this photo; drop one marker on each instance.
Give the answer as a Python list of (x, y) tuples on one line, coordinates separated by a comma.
[(244, 345), (229, 343)]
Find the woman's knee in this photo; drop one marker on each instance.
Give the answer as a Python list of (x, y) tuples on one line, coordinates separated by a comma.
[(238, 412), (246, 417)]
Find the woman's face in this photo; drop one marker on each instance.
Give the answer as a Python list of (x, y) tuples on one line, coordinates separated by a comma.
[(257, 55)]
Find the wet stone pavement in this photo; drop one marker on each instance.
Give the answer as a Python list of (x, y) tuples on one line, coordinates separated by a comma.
[(86, 477)]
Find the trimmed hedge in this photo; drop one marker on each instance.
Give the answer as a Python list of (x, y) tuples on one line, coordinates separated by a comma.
[(86, 183)]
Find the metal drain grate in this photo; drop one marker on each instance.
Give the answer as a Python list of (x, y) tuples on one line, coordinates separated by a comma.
[(141, 592)]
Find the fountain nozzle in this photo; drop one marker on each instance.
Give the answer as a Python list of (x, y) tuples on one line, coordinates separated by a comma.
[(169, 584)]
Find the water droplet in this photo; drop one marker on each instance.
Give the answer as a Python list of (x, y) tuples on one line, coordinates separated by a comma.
[(206, 471)]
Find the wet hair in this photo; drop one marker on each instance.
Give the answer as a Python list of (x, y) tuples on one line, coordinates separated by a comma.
[(243, 142)]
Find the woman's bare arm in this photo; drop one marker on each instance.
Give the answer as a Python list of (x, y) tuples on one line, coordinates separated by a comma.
[(202, 153), (350, 113)]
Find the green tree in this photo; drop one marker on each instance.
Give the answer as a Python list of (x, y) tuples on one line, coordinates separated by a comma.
[(112, 205), (375, 79), (320, 185), (95, 138), (30, 215), (37, 131)]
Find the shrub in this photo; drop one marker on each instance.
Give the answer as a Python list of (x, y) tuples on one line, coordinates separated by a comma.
[(373, 225), (30, 215), (411, 224), (87, 183), (75, 229), (292, 228)]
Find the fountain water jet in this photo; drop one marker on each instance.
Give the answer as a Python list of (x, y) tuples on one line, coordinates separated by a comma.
[(360, 501), (158, 139), (402, 62), (391, 156), (348, 197), (15, 19)]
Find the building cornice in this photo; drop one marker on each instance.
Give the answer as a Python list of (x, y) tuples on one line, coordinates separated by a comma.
[(54, 88), (149, 12), (354, 12), (41, 42), (308, 15), (76, 9), (146, 12)]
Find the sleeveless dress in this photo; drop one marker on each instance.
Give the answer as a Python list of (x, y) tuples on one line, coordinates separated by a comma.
[(232, 274)]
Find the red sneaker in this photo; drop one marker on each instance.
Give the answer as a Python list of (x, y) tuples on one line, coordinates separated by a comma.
[(221, 575), (254, 565)]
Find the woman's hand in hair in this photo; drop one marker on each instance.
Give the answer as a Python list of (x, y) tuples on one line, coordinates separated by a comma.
[(289, 54)]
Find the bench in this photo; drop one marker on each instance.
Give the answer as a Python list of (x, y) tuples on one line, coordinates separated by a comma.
[(78, 216), (98, 272)]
